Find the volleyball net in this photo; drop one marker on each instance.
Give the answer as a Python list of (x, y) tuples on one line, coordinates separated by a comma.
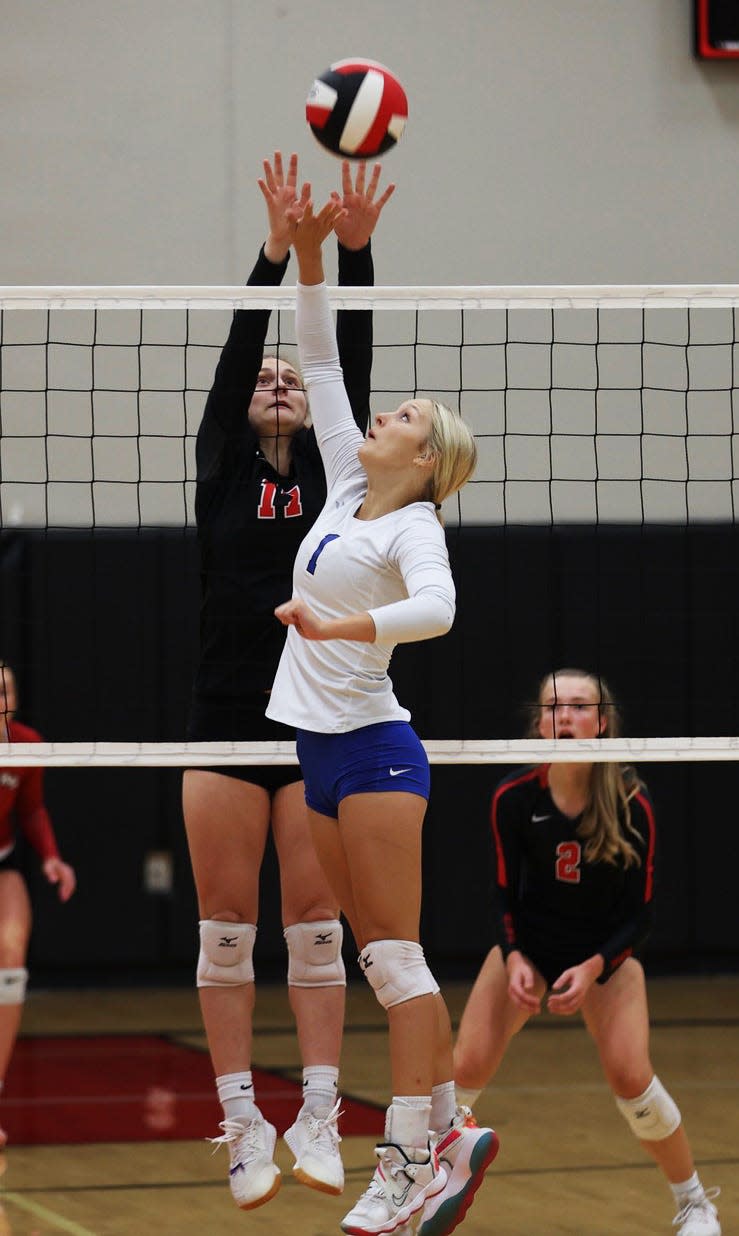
[(599, 528)]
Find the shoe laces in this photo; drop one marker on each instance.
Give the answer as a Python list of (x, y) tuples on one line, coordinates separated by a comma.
[(464, 1118), (323, 1131), (237, 1131), (694, 1206)]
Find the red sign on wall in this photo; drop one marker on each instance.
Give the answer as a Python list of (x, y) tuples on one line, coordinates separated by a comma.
[(717, 29)]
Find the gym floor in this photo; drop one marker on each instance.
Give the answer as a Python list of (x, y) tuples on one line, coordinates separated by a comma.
[(109, 1100)]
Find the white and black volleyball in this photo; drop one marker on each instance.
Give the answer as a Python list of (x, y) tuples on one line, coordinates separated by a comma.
[(357, 109)]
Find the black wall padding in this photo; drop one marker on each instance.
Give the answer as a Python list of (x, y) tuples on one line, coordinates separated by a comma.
[(103, 632)]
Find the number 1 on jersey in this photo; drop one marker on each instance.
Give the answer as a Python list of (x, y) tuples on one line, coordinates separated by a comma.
[(330, 536)]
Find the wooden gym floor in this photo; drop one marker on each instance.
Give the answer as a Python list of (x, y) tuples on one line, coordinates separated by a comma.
[(109, 1099)]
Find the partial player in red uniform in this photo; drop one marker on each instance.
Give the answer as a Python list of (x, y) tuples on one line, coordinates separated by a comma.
[(574, 848), (21, 807)]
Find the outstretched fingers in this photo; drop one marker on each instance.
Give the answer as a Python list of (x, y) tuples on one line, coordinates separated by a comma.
[(329, 214), (313, 228)]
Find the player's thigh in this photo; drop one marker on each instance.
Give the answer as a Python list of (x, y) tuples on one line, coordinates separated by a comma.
[(330, 851), (226, 821), (15, 919), (617, 1015), (381, 838), (489, 1021), (306, 893)]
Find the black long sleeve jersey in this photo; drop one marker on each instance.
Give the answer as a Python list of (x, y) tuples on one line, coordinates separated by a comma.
[(549, 902), (250, 519)]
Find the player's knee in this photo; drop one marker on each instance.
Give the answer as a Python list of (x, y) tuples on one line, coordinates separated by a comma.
[(226, 951), (653, 1115), (13, 982), (314, 954), (469, 1064), (396, 971)]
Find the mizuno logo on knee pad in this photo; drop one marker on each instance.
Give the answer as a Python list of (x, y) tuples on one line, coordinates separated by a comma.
[(396, 971), (226, 950), (314, 954)]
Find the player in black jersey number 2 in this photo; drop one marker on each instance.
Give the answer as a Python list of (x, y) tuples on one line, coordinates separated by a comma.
[(574, 849)]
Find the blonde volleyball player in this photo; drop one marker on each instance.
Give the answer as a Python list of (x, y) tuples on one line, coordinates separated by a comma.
[(21, 806), (573, 896), (374, 572)]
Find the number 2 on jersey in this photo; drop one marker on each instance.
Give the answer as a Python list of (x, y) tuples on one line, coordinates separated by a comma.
[(567, 867)]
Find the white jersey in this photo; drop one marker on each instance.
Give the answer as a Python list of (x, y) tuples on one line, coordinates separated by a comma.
[(395, 567)]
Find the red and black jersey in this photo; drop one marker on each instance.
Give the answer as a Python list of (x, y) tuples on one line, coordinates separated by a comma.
[(551, 902), (250, 519), (22, 802)]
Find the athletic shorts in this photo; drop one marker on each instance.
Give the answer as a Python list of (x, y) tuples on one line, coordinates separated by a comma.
[(372, 760), (242, 721), (10, 862), (551, 967)]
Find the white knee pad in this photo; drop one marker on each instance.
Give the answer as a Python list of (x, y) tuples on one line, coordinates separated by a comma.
[(225, 954), (314, 954), (653, 1115), (396, 970), (13, 985)]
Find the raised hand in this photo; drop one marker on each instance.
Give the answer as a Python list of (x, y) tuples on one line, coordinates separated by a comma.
[(362, 206), (280, 192), (309, 232)]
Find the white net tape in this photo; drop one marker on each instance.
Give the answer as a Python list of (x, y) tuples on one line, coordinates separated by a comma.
[(440, 751)]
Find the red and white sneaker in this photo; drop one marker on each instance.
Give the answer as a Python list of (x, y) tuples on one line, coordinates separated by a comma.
[(404, 1180), (466, 1151)]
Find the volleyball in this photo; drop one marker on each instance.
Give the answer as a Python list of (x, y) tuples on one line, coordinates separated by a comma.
[(357, 109)]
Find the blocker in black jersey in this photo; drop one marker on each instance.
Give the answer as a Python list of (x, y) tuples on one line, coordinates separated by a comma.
[(552, 904), (251, 519), (260, 486)]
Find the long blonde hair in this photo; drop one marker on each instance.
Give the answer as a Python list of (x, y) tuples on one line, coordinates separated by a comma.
[(455, 454), (607, 815)]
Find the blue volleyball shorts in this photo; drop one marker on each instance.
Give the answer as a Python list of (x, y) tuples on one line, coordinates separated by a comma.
[(376, 759)]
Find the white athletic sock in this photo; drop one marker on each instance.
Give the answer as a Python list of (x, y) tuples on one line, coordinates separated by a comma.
[(320, 1086), (443, 1106), (236, 1096), (407, 1120), (688, 1190)]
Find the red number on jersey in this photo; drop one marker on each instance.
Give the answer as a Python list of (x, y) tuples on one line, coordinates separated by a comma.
[(294, 506), (567, 867), (266, 509), (267, 501)]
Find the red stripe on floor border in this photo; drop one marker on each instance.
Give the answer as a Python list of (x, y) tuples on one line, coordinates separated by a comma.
[(136, 1088)]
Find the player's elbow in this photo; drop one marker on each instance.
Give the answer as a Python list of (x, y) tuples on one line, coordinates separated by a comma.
[(441, 610)]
